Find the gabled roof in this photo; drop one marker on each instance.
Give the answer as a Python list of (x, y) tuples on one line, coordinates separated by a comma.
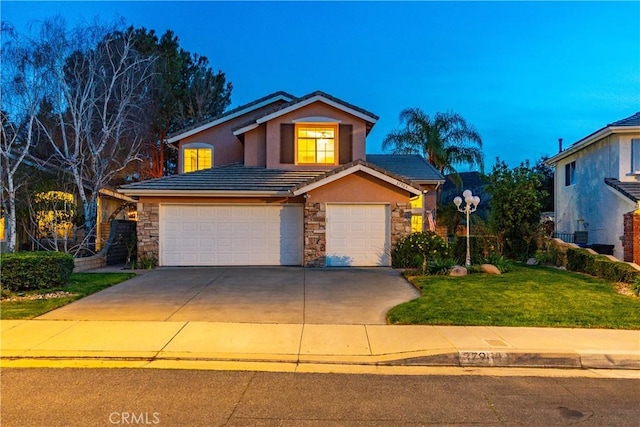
[(234, 179), (317, 96), (356, 166), (627, 125), (237, 180), (410, 166), (630, 190), (629, 121), (231, 114)]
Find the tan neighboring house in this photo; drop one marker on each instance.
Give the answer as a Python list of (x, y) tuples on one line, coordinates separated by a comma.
[(53, 226), (283, 180), (597, 188)]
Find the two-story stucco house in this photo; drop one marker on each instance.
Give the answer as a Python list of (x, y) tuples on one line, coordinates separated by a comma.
[(283, 180), (597, 183)]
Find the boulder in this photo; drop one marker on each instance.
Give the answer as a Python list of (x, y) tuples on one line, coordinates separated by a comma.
[(532, 261), (490, 269), (457, 271)]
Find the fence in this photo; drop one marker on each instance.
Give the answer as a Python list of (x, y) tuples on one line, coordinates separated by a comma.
[(579, 237)]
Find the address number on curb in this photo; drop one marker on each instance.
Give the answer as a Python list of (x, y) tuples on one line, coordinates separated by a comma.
[(482, 357)]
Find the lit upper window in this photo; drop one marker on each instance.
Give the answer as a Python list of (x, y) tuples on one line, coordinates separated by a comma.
[(316, 144), (195, 159)]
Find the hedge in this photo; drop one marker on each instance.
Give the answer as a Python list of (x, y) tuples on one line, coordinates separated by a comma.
[(22, 271), (600, 266)]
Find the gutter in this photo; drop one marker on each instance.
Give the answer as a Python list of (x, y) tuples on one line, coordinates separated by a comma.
[(204, 193)]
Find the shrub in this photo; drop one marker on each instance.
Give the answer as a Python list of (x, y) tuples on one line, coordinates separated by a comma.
[(24, 271), (418, 249), (481, 246), (501, 263), (441, 266), (600, 266), (550, 254)]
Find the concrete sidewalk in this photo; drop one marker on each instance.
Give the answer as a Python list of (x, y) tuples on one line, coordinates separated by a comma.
[(170, 344)]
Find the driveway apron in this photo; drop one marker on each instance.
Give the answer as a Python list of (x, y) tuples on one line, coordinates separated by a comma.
[(248, 295)]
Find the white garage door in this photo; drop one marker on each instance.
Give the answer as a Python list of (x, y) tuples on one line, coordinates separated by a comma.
[(192, 235), (358, 235)]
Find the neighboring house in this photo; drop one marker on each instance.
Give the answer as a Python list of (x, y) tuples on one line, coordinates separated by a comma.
[(283, 181), (597, 182), (54, 212)]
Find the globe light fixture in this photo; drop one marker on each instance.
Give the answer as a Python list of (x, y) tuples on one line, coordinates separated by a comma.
[(471, 203)]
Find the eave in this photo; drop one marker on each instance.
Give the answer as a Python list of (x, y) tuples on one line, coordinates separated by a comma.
[(311, 100), (353, 169), (205, 193), (591, 139), (228, 117)]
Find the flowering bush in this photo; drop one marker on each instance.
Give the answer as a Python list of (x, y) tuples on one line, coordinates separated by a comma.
[(417, 250)]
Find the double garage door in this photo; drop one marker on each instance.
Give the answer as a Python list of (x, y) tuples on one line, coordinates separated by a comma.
[(217, 235)]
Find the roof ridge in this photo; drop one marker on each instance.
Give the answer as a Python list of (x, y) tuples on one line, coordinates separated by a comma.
[(632, 120), (230, 112)]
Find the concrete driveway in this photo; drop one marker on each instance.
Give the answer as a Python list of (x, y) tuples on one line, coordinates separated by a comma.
[(248, 294)]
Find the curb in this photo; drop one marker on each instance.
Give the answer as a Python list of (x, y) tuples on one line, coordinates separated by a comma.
[(464, 359)]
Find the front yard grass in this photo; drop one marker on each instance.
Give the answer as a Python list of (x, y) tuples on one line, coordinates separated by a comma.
[(525, 296), (80, 285)]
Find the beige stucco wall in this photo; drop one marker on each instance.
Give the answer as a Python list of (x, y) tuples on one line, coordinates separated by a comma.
[(590, 201), (227, 148), (316, 109), (255, 148), (358, 187)]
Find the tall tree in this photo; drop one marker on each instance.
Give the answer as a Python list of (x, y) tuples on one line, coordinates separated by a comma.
[(186, 91), (546, 183), (22, 89), (99, 89), (515, 207), (445, 140)]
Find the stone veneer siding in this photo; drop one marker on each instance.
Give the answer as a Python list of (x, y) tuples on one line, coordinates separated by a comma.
[(148, 230), (315, 230), (631, 241)]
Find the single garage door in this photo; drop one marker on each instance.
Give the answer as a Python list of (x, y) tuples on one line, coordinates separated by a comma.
[(358, 235), (194, 235)]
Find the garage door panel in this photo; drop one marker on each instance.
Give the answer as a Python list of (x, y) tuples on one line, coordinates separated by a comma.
[(358, 235), (230, 235)]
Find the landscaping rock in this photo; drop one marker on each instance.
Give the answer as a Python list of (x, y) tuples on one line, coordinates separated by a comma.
[(490, 269), (532, 261), (458, 271)]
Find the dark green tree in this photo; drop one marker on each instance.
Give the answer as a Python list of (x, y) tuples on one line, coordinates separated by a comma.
[(446, 140), (515, 207), (185, 91), (546, 183)]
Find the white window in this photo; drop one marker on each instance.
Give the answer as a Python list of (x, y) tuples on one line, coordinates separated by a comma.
[(316, 143), (635, 155), (196, 157), (570, 174)]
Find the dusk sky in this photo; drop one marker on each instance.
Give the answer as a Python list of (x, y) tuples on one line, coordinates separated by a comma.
[(523, 73)]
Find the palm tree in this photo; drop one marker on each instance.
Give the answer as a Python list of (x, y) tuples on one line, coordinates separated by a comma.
[(444, 140)]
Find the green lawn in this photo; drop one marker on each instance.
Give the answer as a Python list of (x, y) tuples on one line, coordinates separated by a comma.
[(80, 284), (525, 296)]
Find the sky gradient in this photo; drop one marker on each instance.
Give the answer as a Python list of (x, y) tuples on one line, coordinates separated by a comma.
[(523, 73)]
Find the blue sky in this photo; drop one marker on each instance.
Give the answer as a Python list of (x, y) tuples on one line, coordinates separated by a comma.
[(523, 73)]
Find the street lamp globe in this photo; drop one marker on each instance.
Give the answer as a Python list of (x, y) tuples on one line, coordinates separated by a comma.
[(457, 201)]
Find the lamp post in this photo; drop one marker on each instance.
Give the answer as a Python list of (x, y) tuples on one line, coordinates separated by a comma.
[(471, 203)]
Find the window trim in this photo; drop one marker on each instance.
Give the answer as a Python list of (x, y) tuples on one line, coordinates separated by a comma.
[(336, 141), (570, 174), (194, 146), (635, 152)]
